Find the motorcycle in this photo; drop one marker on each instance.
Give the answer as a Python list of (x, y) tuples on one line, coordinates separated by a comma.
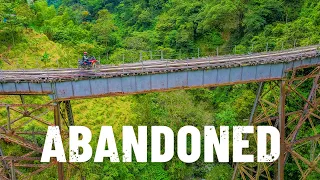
[(89, 64)]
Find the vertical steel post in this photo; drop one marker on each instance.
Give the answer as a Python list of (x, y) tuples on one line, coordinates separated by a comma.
[(267, 47), (13, 173), (57, 122), (4, 164), (161, 54), (140, 56), (198, 52), (180, 53), (8, 115), (23, 102), (166, 64), (69, 112), (255, 104), (122, 62), (151, 55), (282, 116), (141, 60), (217, 51)]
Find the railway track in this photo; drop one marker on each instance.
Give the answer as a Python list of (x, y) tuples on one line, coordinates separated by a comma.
[(158, 66)]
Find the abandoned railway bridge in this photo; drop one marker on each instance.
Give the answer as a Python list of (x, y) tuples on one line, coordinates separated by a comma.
[(287, 72)]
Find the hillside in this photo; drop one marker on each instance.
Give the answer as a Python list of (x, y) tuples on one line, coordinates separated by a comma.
[(55, 33)]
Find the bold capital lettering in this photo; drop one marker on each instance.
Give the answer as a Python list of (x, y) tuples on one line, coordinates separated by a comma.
[(75, 143), (262, 144), (239, 144), (53, 137), (130, 142), (106, 134), (156, 155), (195, 144), (211, 139)]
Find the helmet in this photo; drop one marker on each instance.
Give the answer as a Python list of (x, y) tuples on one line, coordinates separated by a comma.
[(85, 53)]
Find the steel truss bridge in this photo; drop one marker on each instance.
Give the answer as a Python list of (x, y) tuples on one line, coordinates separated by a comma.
[(283, 78)]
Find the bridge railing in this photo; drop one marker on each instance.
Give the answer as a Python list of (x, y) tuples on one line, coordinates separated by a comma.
[(170, 54), (134, 56)]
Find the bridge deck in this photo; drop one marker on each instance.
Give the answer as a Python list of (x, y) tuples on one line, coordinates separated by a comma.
[(157, 75)]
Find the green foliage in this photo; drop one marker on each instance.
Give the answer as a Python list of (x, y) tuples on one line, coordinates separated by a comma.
[(261, 13), (55, 33), (45, 58), (223, 15), (220, 172), (103, 27)]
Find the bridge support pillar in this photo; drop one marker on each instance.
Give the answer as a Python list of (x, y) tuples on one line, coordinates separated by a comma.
[(281, 125), (69, 112), (57, 122), (24, 125), (293, 106)]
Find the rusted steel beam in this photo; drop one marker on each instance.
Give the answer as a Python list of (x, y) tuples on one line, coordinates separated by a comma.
[(30, 165), (4, 164), (9, 121), (13, 173), (4, 177), (311, 95), (305, 139), (12, 136), (57, 122), (28, 114), (16, 158), (302, 79), (274, 118), (303, 98), (21, 142), (69, 113), (25, 105), (282, 123), (29, 176), (31, 133), (258, 174), (312, 165)]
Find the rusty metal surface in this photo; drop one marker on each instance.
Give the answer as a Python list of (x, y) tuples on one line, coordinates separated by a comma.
[(64, 84), (289, 56), (25, 164), (300, 140)]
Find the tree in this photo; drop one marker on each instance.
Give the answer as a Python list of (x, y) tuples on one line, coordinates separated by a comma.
[(222, 15), (103, 28), (261, 13), (11, 24)]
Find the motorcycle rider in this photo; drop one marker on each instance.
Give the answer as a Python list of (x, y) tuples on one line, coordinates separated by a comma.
[(85, 58)]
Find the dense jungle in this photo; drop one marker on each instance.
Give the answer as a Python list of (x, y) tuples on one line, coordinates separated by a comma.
[(55, 33)]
